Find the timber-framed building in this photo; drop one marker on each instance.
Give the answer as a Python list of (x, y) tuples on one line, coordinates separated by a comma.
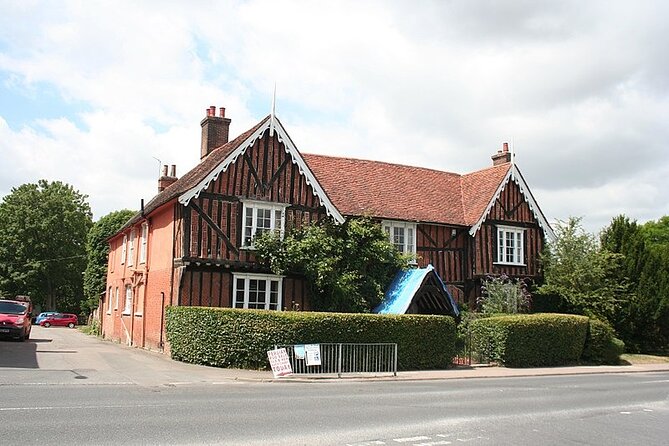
[(192, 244)]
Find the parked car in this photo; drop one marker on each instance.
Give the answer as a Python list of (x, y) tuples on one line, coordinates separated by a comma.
[(40, 317), (61, 320), (15, 319)]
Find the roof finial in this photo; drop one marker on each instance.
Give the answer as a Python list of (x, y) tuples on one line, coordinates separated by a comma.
[(272, 114), (513, 153)]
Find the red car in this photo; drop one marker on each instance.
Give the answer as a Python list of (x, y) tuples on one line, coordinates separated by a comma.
[(60, 319), (15, 319)]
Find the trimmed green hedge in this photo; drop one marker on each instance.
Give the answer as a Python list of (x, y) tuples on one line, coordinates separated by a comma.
[(224, 337), (601, 344), (530, 340)]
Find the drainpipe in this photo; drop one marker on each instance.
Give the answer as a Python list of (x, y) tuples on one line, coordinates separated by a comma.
[(146, 277), (162, 319)]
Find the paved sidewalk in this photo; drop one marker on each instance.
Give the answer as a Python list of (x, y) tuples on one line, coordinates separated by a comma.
[(483, 371), (69, 357), (204, 374)]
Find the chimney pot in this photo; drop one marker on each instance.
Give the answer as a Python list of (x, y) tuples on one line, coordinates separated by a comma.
[(215, 130), (502, 156), (165, 181)]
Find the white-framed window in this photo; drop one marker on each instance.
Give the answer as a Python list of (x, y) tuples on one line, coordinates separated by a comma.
[(116, 301), (259, 217), (128, 300), (257, 291), (402, 235), (124, 249), (131, 248), (143, 242), (510, 243), (110, 298)]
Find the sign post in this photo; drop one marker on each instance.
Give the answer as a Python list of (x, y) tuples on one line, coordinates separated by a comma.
[(278, 360)]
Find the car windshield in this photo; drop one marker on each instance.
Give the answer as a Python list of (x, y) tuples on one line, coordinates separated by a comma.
[(12, 308)]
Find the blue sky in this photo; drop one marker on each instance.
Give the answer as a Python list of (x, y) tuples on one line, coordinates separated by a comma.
[(92, 92)]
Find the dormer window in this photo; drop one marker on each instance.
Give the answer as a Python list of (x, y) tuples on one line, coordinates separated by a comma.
[(402, 235), (260, 217), (510, 246)]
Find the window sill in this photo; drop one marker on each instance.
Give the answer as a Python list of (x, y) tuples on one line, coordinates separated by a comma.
[(125, 313), (138, 314), (509, 264)]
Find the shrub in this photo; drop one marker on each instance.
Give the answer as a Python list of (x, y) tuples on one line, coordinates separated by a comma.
[(504, 295), (224, 337), (601, 345), (533, 340), (93, 328)]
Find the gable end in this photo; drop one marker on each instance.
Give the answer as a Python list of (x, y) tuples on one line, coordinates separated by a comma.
[(274, 125), (514, 175)]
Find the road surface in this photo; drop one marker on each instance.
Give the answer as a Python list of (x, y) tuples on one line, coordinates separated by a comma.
[(45, 400)]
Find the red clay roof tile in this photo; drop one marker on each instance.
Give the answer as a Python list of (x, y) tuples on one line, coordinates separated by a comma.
[(394, 191)]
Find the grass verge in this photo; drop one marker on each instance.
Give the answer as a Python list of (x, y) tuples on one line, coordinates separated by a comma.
[(633, 358)]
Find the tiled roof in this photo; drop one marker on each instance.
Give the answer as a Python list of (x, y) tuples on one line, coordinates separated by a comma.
[(363, 187), (394, 191), (478, 189)]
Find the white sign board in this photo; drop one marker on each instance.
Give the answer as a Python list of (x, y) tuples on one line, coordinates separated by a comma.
[(278, 360), (299, 351), (313, 353)]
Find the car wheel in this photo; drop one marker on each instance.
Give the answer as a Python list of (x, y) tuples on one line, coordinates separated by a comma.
[(47, 324), (71, 325)]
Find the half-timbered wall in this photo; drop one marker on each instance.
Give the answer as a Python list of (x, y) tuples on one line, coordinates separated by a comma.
[(265, 173), (445, 248), (210, 230), (510, 209), (210, 286)]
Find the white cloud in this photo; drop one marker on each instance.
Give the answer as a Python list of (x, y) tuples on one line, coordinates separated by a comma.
[(581, 88)]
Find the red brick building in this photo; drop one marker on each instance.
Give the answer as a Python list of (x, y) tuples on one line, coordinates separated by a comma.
[(192, 244)]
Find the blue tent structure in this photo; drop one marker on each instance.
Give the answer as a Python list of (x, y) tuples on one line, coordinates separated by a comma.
[(418, 291)]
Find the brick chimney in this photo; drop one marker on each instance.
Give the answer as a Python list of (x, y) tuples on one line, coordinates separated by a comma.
[(165, 180), (215, 130), (502, 156)]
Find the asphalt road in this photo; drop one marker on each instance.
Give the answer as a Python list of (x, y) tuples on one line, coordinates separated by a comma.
[(43, 402)]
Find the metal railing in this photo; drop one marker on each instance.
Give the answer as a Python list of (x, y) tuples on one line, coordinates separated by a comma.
[(342, 358)]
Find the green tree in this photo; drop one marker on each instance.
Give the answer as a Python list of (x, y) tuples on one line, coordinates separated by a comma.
[(43, 230), (653, 291), (97, 250), (347, 266), (657, 232), (644, 323), (587, 279)]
